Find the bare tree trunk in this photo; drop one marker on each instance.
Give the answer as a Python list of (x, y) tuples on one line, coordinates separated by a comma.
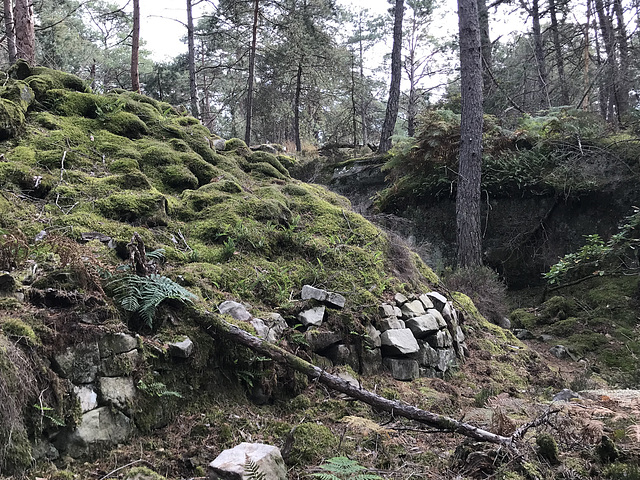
[(25, 31), (393, 103), (296, 107), (214, 325), (363, 114), (354, 107), (10, 31), (252, 68), (623, 48), (135, 47), (557, 46), (193, 86), (470, 165), (611, 82), (485, 47), (539, 54)]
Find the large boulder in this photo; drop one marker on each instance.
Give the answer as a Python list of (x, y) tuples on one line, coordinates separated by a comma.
[(402, 368), (79, 363), (246, 461)]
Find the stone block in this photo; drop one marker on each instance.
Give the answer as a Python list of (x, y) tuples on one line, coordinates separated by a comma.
[(235, 309), (120, 365), (387, 310), (115, 343), (320, 340), (423, 326), (312, 317), (426, 301), (438, 300), (402, 368), (390, 323), (230, 464), (117, 391), (399, 342), (79, 363), (400, 299), (412, 309), (182, 348)]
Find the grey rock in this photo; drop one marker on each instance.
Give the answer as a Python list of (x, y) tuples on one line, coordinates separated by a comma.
[(397, 312), (117, 391), (98, 429), (343, 355), (387, 310), (449, 313), (235, 309), (44, 450), (442, 339), (426, 356), (7, 283), (230, 464), (79, 363), (347, 377), (312, 317), (426, 301), (566, 395), (399, 342), (87, 397), (120, 365), (260, 327), (546, 338), (320, 340), (309, 293), (439, 300), (423, 326), (402, 368), (560, 351), (431, 372), (459, 334), (400, 299), (390, 323), (372, 339), (90, 236), (321, 362), (335, 300), (503, 322), (182, 348), (523, 334), (277, 325), (446, 359), (265, 147), (438, 316), (371, 361), (412, 309), (114, 343), (218, 144)]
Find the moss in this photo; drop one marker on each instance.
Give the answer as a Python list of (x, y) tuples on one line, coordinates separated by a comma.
[(132, 207), (156, 154), (234, 143), (124, 165), (557, 308), (617, 471), (66, 103), (547, 448), (287, 161), (125, 124), (11, 119), (203, 170), (522, 318), (564, 328), (295, 190), (19, 93), (267, 170), (264, 157), (312, 442), (46, 120), (15, 328), (62, 79), (133, 180), (425, 270), (179, 145), (143, 473), (607, 451), (62, 475)]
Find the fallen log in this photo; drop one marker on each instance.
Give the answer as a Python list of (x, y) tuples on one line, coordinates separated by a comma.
[(214, 324)]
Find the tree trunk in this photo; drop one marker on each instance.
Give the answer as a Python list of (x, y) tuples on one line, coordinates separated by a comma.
[(623, 48), (354, 107), (296, 107), (611, 80), (391, 114), (214, 325), (25, 31), (557, 47), (10, 32), (485, 47), (539, 54), (135, 47), (252, 68), (193, 86), (363, 113), (470, 165)]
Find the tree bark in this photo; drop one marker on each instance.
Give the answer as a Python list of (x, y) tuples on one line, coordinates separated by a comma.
[(557, 47), (393, 103), (485, 47), (193, 86), (25, 31), (296, 107), (611, 82), (470, 164), (363, 113), (539, 54), (214, 325), (10, 31), (623, 49), (135, 47), (252, 68)]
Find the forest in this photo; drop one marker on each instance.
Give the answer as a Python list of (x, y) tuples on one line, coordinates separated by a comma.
[(321, 243)]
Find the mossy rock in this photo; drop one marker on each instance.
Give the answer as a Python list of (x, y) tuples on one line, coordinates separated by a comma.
[(17, 329), (19, 93), (124, 165), (133, 207), (557, 308), (312, 442), (547, 448), (130, 180), (264, 157), (296, 190), (287, 161), (267, 170), (179, 145), (68, 104), (157, 155), (188, 120), (143, 473), (203, 170), (234, 143), (59, 79), (11, 119), (46, 120), (125, 124), (522, 318), (178, 178)]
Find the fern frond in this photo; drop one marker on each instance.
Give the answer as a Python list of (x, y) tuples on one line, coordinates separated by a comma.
[(324, 476), (252, 470)]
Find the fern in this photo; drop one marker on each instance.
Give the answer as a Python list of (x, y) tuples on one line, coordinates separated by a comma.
[(342, 468), (252, 470), (143, 295)]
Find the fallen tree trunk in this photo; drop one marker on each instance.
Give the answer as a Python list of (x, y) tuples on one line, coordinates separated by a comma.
[(213, 324)]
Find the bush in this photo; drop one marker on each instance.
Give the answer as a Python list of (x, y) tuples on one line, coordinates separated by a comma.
[(485, 289)]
